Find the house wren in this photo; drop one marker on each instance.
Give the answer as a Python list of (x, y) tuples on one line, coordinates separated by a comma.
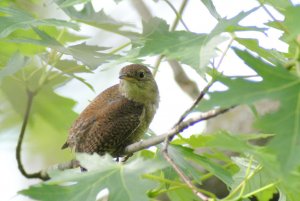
[(117, 117)]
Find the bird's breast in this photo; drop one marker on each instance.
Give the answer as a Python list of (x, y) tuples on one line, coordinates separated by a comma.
[(145, 120)]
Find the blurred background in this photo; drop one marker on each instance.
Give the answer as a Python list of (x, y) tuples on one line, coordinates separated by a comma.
[(37, 155)]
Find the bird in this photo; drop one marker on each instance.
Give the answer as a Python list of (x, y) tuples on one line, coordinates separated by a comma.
[(117, 117)]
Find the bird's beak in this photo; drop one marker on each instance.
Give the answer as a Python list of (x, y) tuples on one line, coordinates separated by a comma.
[(126, 77)]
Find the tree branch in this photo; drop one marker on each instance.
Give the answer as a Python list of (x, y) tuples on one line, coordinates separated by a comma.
[(135, 147), (179, 126), (142, 9), (184, 82), (39, 175), (174, 131)]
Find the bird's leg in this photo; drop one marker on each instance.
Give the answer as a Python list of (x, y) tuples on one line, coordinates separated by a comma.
[(125, 158), (77, 164), (120, 157), (83, 169)]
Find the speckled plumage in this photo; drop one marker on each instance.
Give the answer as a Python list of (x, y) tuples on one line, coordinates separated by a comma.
[(117, 117)]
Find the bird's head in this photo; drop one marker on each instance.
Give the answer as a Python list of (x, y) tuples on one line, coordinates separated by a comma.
[(137, 83)]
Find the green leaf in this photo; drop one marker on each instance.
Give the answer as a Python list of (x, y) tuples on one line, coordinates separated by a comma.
[(180, 159), (50, 113), (16, 62), (253, 178), (180, 45), (222, 140), (87, 54), (71, 67), (11, 47), (84, 82), (68, 3), (182, 194), (276, 84), (211, 8), (64, 36), (232, 24), (291, 13), (55, 109), (268, 54), (46, 40), (214, 38), (280, 5), (9, 119), (180, 154), (190, 48), (14, 19), (123, 181), (98, 19), (14, 92), (208, 50)]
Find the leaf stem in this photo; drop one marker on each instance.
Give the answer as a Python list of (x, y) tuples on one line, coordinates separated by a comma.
[(241, 186), (259, 190), (119, 48), (163, 180), (39, 175), (225, 52), (210, 174)]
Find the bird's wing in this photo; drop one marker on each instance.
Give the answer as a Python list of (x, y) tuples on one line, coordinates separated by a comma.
[(114, 126), (79, 129), (86, 120)]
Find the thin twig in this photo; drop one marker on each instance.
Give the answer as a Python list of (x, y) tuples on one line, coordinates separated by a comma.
[(272, 17), (188, 123), (119, 48), (181, 174), (142, 9), (157, 63), (199, 98), (178, 15), (39, 175), (225, 52), (180, 12)]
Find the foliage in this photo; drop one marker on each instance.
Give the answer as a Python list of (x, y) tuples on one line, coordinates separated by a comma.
[(40, 55), (122, 181)]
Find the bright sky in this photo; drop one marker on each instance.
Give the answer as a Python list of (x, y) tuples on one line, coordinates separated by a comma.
[(173, 102)]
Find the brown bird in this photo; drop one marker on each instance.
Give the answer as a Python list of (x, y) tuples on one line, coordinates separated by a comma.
[(118, 116)]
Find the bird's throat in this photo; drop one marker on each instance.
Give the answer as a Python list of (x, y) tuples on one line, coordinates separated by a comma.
[(145, 93)]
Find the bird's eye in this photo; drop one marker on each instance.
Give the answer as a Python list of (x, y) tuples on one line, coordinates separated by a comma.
[(141, 74)]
